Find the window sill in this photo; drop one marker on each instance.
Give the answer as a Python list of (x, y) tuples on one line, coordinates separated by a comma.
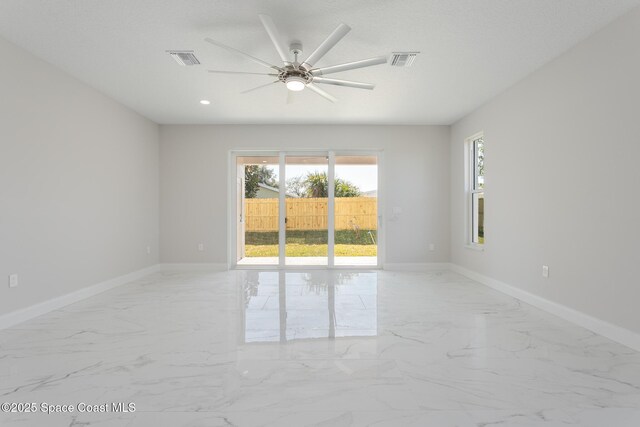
[(479, 248)]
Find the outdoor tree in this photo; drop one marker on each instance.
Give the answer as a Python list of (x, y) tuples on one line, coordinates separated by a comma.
[(257, 174), (480, 161), (316, 184), (346, 189), (296, 186)]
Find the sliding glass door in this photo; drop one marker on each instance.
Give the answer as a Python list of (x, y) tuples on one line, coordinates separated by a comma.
[(257, 199), (356, 210), (306, 209)]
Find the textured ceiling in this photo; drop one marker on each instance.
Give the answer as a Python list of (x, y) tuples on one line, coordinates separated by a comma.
[(471, 51)]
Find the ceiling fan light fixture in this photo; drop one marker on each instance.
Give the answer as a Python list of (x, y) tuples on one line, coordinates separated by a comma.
[(295, 83), (297, 76)]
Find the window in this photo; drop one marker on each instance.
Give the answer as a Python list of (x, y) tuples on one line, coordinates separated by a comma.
[(475, 189)]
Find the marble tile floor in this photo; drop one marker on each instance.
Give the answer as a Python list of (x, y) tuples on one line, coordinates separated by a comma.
[(347, 261), (322, 348)]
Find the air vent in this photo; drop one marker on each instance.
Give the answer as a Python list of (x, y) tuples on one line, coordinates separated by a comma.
[(184, 57), (403, 59)]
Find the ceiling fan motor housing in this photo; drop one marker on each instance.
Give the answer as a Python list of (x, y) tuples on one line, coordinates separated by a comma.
[(295, 78)]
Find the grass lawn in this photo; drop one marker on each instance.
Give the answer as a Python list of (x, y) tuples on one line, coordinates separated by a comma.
[(315, 237), (302, 250)]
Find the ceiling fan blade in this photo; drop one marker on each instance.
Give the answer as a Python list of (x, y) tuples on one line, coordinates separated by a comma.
[(346, 83), (326, 45), (321, 92), (350, 66), (283, 49), (241, 72), (260, 87), (246, 55)]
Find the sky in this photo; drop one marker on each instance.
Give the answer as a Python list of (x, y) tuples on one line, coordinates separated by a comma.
[(365, 177)]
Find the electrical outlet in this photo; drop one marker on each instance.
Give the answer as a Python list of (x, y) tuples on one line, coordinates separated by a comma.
[(13, 280), (201, 247), (545, 271), (148, 249)]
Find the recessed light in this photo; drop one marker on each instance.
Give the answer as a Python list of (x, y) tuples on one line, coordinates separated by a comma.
[(205, 102)]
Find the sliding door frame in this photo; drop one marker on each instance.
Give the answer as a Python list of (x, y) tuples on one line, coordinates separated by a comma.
[(232, 237)]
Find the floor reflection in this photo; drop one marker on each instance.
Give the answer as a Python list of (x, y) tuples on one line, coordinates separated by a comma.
[(281, 306)]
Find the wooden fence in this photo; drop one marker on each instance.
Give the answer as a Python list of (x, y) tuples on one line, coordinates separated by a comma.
[(312, 214)]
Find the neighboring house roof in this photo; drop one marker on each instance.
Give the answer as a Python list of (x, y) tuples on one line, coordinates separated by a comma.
[(275, 190)]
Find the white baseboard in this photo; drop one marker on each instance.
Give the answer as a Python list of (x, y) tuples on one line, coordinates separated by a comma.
[(608, 330), (193, 267), (423, 266), (22, 315)]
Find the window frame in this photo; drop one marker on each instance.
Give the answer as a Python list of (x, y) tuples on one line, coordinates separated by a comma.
[(472, 189)]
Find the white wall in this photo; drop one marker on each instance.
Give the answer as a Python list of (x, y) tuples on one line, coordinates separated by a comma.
[(194, 170), (78, 183), (563, 174)]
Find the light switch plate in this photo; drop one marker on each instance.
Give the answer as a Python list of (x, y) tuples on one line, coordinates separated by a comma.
[(545, 271), (13, 280)]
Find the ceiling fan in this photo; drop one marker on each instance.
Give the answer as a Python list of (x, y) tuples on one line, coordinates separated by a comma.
[(300, 75)]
